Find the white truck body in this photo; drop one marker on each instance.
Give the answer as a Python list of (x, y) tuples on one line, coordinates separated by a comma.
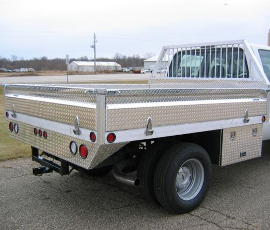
[(215, 95)]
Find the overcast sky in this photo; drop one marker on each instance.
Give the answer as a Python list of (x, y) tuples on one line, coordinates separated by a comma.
[(54, 28)]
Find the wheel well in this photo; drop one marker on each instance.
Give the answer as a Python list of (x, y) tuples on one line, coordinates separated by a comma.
[(211, 141)]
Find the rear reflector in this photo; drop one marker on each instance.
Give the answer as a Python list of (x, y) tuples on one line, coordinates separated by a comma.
[(40, 133), (45, 134), (16, 128), (111, 137), (73, 147), (83, 151), (11, 126), (35, 131), (93, 137)]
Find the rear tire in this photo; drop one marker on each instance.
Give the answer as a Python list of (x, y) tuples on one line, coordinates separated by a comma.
[(147, 166), (97, 172), (182, 177)]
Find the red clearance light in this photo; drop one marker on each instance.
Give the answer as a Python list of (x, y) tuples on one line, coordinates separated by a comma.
[(45, 134), (263, 118), (111, 137), (7, 114), (83, 151), (40, 133), (35, 131), (93, 137), (11, 126)]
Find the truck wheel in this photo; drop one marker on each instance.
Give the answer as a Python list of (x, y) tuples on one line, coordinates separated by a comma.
[(147, 166), (182, 177), (97, 172)]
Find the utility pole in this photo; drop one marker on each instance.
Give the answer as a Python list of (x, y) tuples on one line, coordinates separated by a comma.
[(67, 63), (268, 38), (94, 47)]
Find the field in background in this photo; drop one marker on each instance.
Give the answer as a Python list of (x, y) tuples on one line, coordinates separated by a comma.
[(10, 148), (37, 73), (57, 73)]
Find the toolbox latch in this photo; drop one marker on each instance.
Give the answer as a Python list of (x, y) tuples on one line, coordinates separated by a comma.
[(246, 119), (13, 114), (77, 130), (149, 130)]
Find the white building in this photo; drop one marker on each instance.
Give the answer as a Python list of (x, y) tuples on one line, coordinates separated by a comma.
[(88, 66), (150, 62)]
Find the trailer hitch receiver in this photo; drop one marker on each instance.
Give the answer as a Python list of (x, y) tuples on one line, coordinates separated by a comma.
[(41, 170), (48, 166)]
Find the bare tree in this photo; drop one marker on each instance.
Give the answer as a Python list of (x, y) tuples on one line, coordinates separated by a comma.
[(14, 57), (43, 63)]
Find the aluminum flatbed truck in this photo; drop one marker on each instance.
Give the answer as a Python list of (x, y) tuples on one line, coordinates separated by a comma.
[(210, 105)]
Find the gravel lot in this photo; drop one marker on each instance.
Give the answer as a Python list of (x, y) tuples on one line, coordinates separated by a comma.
[(239, 198)]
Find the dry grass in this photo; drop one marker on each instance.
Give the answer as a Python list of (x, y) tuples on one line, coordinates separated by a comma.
[(9, 148), (112, 82), (55, 73), (37, 73)]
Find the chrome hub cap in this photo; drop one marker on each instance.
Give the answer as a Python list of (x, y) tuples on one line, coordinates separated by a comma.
[(189, 179), (183, 177)]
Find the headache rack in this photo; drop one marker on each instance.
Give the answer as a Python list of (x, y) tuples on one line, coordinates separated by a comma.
[(232, 60)]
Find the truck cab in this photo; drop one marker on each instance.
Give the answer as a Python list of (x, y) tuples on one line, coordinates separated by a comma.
[(262, 53)]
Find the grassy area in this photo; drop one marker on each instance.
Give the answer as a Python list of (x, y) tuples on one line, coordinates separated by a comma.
[(55, 73), (112, 82), (9, 148)]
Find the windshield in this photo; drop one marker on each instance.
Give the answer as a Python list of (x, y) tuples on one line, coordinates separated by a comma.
[(265, 57)]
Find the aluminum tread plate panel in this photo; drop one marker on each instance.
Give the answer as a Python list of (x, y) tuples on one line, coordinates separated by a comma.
[(180, 97), (207, 83), (58, 145), (45, 91), (55, 112), (177, 90), (244, 141), (82, 92), (135, 118)]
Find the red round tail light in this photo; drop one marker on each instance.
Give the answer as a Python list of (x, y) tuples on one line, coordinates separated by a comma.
[(45, 134), (35, 131), (111, 137), (83, 151), (11, 126), (93, 137), (40, 133)]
